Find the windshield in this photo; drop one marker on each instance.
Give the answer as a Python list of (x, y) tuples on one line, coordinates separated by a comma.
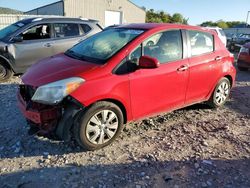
[(102, 46), (10, 29)]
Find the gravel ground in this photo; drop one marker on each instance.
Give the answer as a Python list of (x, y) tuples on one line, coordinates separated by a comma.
[(191, 147)]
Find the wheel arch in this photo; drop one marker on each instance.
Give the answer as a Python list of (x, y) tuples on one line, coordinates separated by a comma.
[(119, 104), (6, 62), (229, 77)]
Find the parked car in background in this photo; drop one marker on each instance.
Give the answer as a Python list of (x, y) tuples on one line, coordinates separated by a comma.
[(243, 62), (25, 42), (230, 37), (123, 74), (220, 33), (238, 42)]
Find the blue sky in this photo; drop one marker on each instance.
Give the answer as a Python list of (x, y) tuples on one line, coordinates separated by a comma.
[(196, 10)]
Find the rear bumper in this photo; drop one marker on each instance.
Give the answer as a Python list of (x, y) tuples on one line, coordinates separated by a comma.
[(37, 116)]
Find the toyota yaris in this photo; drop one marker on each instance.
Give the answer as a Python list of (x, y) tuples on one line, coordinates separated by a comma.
[(124, 74)]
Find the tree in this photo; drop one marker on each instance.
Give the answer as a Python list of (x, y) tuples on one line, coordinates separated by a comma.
[(164, 17), (208, 24), (222, 24), (177, 18), (154, 17)]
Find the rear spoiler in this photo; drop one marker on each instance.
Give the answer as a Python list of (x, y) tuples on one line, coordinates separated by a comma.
[(94, 21)]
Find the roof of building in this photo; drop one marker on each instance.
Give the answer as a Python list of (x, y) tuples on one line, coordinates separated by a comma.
[(44, 6), (63, 0)]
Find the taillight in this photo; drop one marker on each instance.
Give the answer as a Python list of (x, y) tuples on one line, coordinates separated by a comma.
[(232, 57)]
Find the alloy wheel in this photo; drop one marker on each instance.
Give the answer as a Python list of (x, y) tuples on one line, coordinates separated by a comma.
[(222, 92), (102, 127), (3, 71)]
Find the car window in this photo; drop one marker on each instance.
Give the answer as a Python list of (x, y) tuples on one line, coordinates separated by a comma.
[(201, 42), (245, 36), (37, 32), (135, 55), (85, 27), (66, 30), (222, 32), (165, 46), (102, 46)]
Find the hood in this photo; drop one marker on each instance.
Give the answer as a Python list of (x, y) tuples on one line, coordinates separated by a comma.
[(56, 68)]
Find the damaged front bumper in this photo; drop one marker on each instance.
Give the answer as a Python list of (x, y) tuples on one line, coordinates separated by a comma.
[(47, 119), (43, 117)]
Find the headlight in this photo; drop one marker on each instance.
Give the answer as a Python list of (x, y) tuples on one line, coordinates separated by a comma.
[(54, 92), (244, 50)]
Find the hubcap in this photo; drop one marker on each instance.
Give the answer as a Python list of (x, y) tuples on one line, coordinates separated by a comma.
[(102, 127), (2, 71), (222, 93)]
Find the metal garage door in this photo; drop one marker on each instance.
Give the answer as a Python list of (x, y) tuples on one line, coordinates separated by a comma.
[(112, 18)]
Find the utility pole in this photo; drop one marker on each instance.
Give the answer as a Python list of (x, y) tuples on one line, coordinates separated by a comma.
[(247, 18)]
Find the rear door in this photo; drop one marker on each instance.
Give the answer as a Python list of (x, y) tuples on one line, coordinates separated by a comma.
[(66, 35), (163, 88), (204, 66)]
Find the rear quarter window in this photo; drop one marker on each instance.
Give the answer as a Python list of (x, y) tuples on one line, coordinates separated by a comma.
[(86, 28), (66, 30), (201, 42)]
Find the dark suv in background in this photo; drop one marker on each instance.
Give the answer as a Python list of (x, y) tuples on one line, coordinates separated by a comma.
[(27, 41), (238, 41)]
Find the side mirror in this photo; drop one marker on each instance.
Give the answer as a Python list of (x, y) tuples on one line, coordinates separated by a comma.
[(17, 39), (147, 62)]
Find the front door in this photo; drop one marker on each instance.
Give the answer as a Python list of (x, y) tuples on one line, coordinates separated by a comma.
[(163, 88), (37, 44)]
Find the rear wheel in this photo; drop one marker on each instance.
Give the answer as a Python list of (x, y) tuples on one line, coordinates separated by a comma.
[(220, 94), (99, 126), (5, 72)]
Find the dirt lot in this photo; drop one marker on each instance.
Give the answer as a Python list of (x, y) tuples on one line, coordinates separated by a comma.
[(192, 147)]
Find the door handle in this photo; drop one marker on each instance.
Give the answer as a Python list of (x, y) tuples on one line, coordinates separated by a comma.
[(182, 68), (47, 45), (218, 58)]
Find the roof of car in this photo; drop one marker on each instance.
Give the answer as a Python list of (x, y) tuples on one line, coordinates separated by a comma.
[(34, 19), (149, 26)]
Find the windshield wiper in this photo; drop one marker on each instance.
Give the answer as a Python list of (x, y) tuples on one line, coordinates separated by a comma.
[(72, 54)]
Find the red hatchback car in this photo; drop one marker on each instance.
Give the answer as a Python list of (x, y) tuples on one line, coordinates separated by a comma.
[(243, 62), (123, 74)]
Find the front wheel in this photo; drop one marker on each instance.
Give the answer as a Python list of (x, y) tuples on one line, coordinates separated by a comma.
[(220, 94), (5, 72), (99, 126)]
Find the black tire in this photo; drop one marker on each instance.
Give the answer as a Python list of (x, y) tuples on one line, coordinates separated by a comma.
[(242, 69), (80, 128), (5, 72), (213, 101)]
